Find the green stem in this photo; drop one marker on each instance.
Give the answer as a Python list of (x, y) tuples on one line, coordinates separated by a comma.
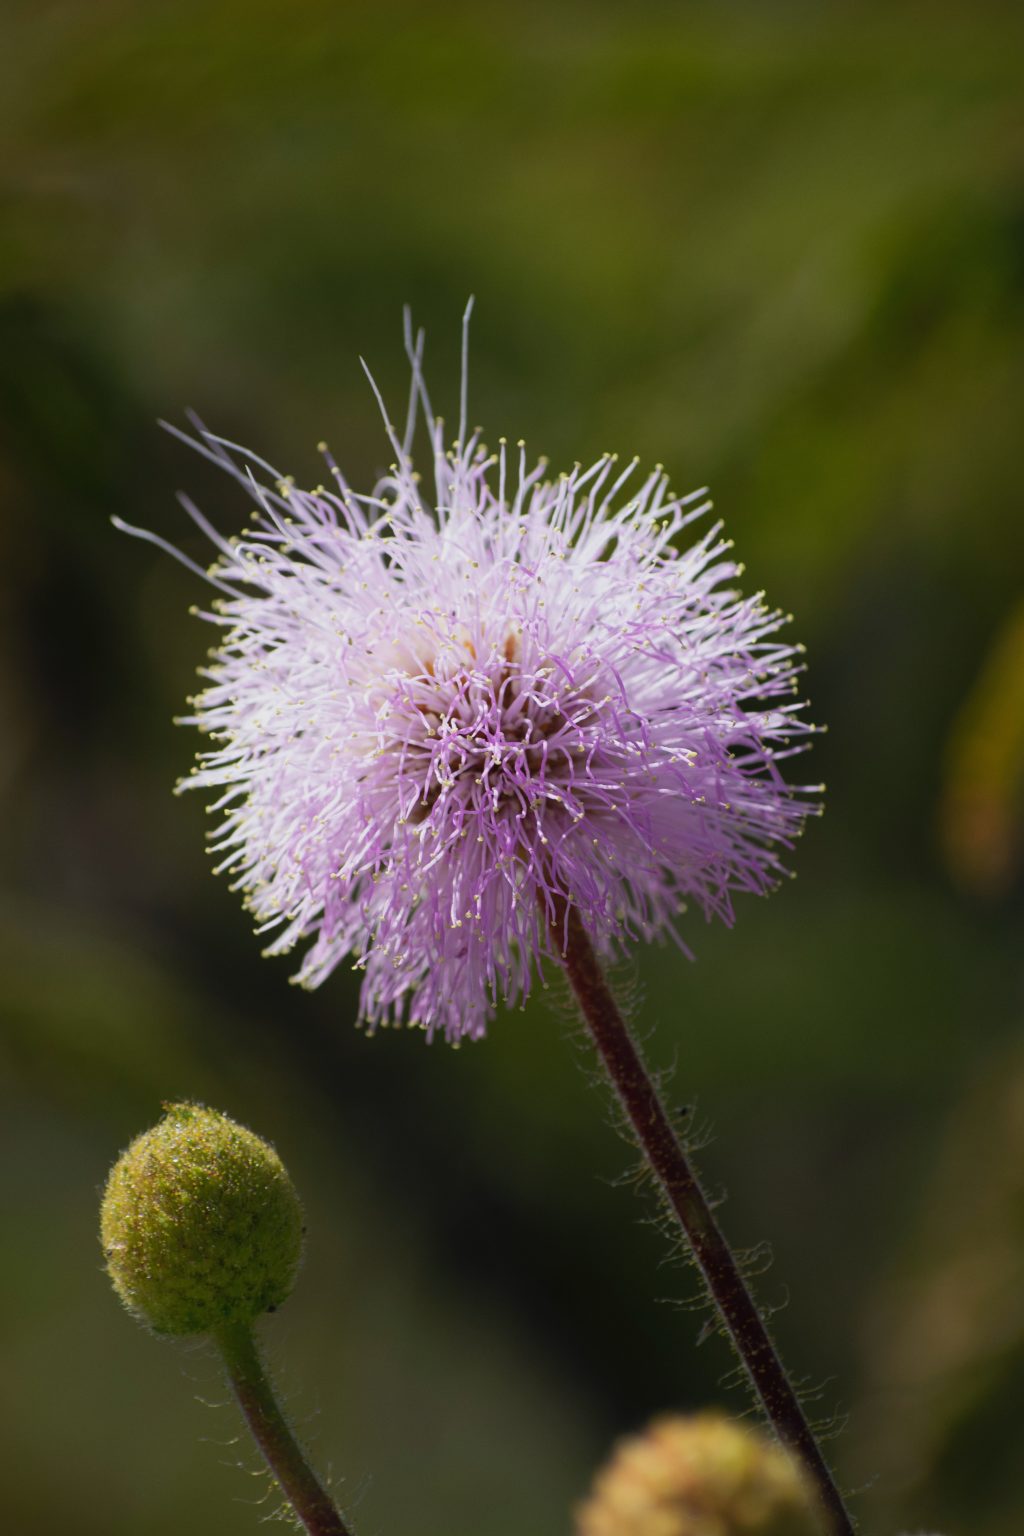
[(281, 1451), (688, 1203)]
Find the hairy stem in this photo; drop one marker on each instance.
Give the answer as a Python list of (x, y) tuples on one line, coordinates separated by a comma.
[(679, 1183), (281, 1451)]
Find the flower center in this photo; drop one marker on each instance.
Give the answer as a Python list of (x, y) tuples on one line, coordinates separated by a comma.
[(491, 735)]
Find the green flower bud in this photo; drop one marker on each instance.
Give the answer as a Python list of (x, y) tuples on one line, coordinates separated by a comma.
[(200, 1224), (700, 1476)]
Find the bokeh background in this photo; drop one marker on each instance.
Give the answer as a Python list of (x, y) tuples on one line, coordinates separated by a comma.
[(779, 247)]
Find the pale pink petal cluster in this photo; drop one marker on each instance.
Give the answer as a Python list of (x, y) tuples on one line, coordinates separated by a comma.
[(434, 714)]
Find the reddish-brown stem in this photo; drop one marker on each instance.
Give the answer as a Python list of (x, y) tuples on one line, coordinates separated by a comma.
[(284, 1456), (682, 1191)]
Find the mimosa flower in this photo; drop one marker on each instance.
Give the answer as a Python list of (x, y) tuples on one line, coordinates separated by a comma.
[(437, 716)]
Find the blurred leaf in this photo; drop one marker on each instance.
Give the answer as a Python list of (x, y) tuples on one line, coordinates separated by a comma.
[(982, 811), (943, 1418)]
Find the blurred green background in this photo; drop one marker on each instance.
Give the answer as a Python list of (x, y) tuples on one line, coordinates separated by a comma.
[(779, 248)]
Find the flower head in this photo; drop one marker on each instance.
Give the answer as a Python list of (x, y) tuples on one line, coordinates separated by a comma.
[(200, 1224), (700, 1476), (439, 716)]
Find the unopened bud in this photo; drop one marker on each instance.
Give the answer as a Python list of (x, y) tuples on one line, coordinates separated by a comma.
[(700, 1476), (200, 1224)]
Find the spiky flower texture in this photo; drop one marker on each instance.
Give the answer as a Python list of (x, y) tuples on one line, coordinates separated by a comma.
[(439, 716), (700, 1476)]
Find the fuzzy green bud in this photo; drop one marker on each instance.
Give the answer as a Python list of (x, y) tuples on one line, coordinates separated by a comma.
[(200, 1224), (700, 1476)]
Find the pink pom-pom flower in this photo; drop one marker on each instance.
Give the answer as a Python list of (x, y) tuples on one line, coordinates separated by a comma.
[(437, 717)]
